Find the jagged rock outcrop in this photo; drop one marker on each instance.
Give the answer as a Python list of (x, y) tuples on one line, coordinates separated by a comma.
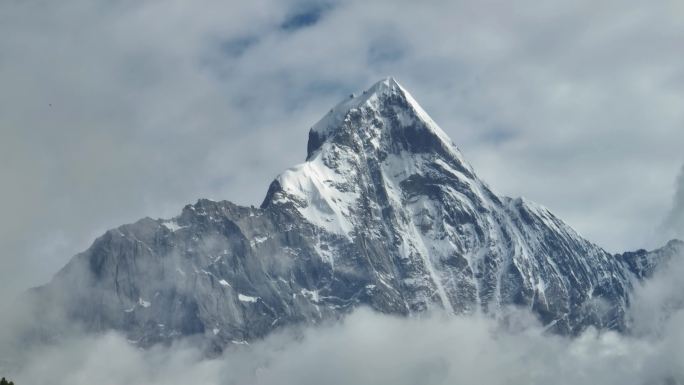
[(642, 264)]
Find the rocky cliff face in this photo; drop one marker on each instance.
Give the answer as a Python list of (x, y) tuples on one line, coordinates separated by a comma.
[(642, 264), (384, 212)]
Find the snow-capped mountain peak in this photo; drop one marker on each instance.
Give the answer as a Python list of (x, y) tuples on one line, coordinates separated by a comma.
[(381, 171), (382, 129), (383, 213)]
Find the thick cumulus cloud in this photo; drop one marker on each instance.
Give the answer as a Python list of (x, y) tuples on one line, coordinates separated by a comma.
[(371, 348), (110, 111)]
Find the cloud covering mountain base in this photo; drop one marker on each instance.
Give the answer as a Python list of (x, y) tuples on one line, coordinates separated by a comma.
[(372, 348)]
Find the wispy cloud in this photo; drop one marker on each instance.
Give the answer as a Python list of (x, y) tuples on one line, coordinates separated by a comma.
[(303, 18), (673, 226)]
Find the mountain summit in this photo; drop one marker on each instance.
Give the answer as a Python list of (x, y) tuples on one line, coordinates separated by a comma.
[(384, 213), (384, 113)]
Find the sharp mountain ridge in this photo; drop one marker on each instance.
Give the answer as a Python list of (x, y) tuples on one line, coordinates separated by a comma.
[(384, 213)]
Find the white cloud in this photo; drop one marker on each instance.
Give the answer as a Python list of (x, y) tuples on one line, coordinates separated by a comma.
[(369, 348), (673, 226)]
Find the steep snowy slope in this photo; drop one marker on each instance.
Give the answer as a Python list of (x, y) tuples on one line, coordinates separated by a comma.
[(383, 175), (384, 212)]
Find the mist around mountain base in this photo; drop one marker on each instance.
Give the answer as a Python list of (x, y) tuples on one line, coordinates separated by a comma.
[(367, 347)]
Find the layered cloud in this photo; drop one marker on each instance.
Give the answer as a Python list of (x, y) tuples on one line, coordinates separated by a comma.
[(370, 348), (367, 347)]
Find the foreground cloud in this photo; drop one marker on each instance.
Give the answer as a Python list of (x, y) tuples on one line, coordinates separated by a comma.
[(371, 348)]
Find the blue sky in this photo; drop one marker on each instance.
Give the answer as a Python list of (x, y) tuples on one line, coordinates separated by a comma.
[(111, 111)]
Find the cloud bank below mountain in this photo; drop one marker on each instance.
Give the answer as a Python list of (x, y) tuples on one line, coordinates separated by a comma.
[(371, 348)]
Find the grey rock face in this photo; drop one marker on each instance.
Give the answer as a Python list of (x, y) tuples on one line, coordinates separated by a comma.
[(385, 212), (642, 264)]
